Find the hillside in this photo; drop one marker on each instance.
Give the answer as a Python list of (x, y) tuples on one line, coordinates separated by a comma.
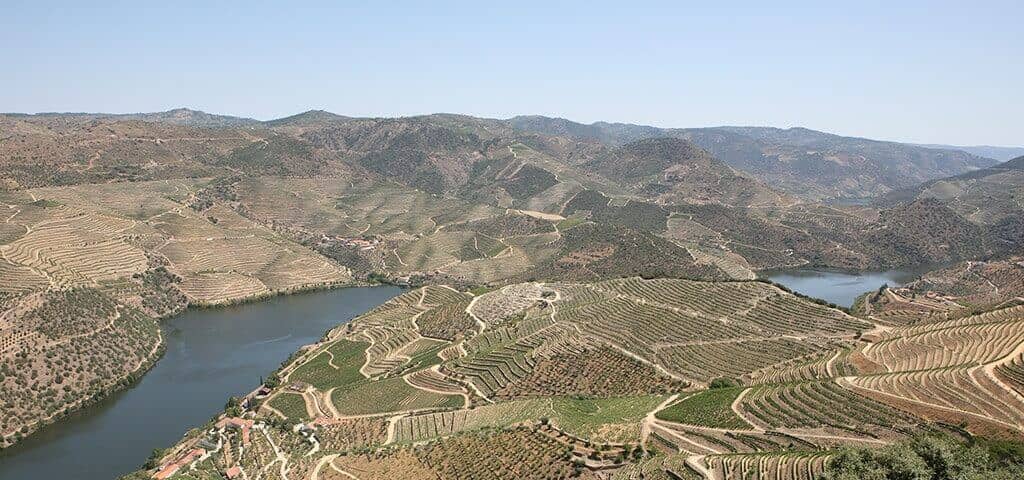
[(49, 150), (611, 379), (1001, 154), (672, 170), (990, 195), (811, 164), (587, 239)]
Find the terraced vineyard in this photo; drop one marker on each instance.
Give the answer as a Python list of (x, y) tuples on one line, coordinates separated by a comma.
[(796, 466), (549, 331), (143, 251), (584, 376)]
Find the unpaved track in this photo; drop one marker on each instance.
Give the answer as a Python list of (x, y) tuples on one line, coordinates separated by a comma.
[(735, 406), (649, 419)]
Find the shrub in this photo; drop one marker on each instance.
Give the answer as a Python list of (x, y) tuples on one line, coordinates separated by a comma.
[(724, 382), (931, 457)]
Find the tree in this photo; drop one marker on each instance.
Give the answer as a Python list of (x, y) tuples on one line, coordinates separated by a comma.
[(930, 458), (724, 382)]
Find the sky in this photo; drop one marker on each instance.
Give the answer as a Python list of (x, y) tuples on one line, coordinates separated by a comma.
[(927, 72)]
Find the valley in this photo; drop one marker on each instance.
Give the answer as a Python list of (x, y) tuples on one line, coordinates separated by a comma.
[(599, 297), (210, 355)]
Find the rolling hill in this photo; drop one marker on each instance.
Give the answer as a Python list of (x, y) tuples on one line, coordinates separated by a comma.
[(804, 162), (991, 195), (1001, 154)]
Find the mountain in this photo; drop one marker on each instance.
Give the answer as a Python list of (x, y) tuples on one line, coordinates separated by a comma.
[(52, 149), (177, 116), (194, 118), (804, 163), (673, 170), (990, 195), (813, 165), (46, 150), (1001, 154), (307, 119)]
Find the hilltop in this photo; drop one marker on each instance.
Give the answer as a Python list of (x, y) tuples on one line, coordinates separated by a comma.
[(1001, 154), (990, 195), (811, 164)]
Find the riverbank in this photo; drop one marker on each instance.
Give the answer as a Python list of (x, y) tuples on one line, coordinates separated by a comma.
[(207, 356), (18, 434), (835, 286)]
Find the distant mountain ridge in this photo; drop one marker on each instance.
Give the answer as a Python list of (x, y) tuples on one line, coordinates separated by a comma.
[(814, 165), (988, 151), (671, 169), (990, 195), (809, 164), (177, 116)]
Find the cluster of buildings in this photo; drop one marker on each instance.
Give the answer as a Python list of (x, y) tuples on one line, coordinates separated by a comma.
[(202, 448), (168, 469)]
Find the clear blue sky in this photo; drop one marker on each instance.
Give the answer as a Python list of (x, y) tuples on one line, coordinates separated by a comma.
[(940, 72)]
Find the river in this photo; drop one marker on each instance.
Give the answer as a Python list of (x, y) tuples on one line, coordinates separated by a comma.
[(211, 355), (840, 288)]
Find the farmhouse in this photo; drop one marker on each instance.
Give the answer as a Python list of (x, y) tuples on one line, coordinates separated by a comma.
[(237, 424), (169, 469)]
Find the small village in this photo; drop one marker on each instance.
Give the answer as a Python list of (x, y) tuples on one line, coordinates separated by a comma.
[(227, 433)]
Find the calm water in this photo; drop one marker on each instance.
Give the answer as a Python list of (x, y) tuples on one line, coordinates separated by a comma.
[(211, 355), (838, 287)]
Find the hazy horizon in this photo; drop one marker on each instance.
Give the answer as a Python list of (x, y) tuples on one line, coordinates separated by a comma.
[(918, 72)]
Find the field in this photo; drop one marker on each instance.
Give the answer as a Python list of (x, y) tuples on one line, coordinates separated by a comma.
[(710, 408), (542, 362), (512, 454)]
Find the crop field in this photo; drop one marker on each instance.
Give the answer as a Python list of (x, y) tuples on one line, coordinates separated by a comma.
[(606, 420), (511, 263), (610, 420), (415, 428), (419, 234), (352, 433), (386, 344), (221, 287), (695, 440), (513, 454), (591, 371), (75, 248), (447, 321), (582, 301), (678, 324), (20, 279), (338, 364), (710, 408), (966, 391), (438, 250), (388, 395), (704, 361), (974, 340), (786, 466), (601, 377), (823, 404), (817, 365), (1012, 373), (433, 380), (291, 405)]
